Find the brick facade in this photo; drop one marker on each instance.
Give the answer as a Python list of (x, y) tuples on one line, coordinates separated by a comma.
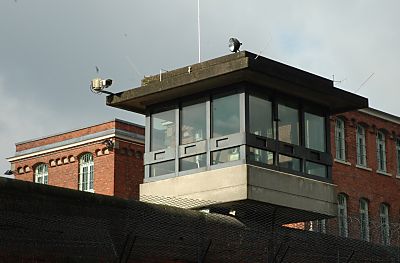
[(118, 170), (367, 182)]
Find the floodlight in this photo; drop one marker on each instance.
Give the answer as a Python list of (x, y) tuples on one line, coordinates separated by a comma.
[(234, 44)]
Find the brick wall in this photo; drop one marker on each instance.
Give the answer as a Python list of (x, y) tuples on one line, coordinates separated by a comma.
[(117, 171), (129, 170), (357, 182)]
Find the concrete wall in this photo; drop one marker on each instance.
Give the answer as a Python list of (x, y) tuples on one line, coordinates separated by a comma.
[(247, 183)]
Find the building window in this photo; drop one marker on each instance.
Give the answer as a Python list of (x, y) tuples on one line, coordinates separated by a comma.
[(364, 220), (398, 155), (385, 228), (162, 130), (162, 168), (340, 140), (86, 173), (260, 117), (41, 174), (316, 169), (226, 155), (342, 215), (193, 123), (260, 156), (318, 226), (381, 151), (288, 125), (236, 128), (193, 162), (361, 150), (314, 132), (289, 162), (225, 115)]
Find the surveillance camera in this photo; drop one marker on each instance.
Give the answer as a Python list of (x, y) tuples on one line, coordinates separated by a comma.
[(98, 84), (106, 83)]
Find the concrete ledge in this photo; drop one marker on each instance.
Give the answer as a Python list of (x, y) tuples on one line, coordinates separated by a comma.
[(248, 183)]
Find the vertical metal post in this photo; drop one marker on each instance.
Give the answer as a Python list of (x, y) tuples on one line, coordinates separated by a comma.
[(198, 28), (208, 130), (147, 140)]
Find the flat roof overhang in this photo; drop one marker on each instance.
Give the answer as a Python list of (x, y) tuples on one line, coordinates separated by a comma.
[(241, 67)]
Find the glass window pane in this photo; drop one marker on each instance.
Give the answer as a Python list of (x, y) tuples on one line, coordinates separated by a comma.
[(262, 156), (260, 117), (193, 123), (361, 149), (288, 125), (226, 155), (314, 132), (192, 162), (316, 169), (226, 115), (162, 130), (340, 140), (289, 162), (158, 169)]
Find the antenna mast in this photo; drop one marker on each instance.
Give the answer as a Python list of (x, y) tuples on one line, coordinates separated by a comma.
[(198, 27)]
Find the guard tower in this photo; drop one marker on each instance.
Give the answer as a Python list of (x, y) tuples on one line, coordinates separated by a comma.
[(240, 131)]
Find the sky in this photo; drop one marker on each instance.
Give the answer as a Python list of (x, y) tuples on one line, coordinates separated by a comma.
[(49, 51)]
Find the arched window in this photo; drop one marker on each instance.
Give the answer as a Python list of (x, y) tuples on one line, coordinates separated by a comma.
[(364, 220), (340, 140), (86, 172), (381, 151), (385, 227), (361, 150), (41, 174), (342, 215)]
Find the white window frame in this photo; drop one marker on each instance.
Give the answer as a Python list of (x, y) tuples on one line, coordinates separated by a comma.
[(384, 223), (340, 142), (86, 173), (364, 220), (361, 146), (41, 174), (318, 226), (342, 216), (381, 151)]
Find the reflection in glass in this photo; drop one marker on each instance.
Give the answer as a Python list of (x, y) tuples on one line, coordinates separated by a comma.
[(289, 162), (316, 169), (226, 115), (288, 125), (192, 162), (314, 132), (158, 169), (193, 123), (262, 156), (162, 130), (260, 117), (226, 155)]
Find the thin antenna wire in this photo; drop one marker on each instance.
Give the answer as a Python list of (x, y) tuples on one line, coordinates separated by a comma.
[(266, 45), (198, 27), (133, 66), (370, 76)]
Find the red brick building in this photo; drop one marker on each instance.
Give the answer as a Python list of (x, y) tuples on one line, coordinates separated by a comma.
[(106, 158), (366, 170)]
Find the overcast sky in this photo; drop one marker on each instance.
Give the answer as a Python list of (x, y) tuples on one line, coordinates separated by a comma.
[(49, 50)]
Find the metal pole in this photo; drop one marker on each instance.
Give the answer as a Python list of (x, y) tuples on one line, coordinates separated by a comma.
[(198, 27)]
